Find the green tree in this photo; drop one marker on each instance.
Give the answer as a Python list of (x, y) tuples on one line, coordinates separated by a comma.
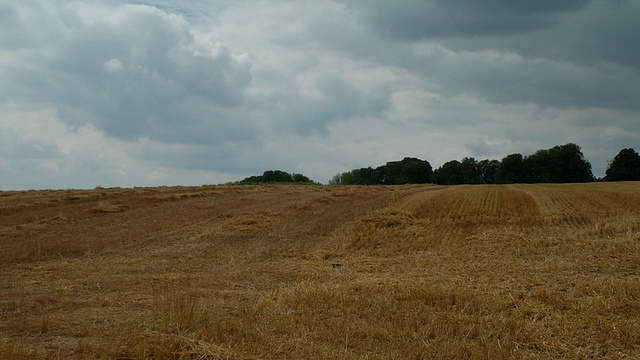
[(450, 173), (467, 171), (470, 170), (276, 176), (624, 167), (537, 168), (407, 171), (300, 178), (362, 176), (560, 164), (416, 171), (570, 164), (337, 179), (488, 169), (511, 170), (272, 176), (366, 176)]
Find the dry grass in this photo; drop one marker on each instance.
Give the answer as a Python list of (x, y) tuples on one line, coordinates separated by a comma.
[(263, 272)]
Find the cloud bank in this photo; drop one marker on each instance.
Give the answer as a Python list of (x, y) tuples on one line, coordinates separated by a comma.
[(131, 71), (135, 93)]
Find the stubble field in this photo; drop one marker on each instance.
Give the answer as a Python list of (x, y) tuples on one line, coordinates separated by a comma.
[(325, 272)]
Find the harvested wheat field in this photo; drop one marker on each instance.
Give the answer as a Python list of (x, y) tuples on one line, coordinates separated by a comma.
[(322, 272)]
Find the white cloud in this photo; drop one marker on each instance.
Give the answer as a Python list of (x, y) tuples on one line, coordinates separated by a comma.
[(113, 65)]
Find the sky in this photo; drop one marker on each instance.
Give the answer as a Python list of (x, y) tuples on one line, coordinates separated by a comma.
[(150, 93)]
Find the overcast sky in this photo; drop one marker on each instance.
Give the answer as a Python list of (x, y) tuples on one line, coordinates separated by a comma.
[(191, 92)]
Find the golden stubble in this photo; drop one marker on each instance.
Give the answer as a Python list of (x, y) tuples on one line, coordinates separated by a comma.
[(344, 272)]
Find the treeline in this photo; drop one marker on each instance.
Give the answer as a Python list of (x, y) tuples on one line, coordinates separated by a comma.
[(406, 171), (560, 164), (276, 176)]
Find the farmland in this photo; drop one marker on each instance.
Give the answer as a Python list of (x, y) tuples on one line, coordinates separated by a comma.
[(343, 272)]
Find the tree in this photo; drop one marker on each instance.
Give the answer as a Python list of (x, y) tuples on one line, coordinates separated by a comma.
[(624, 167), (272, 176), (276, 176), (366, 176), (470, 171), (576, 168), (339, 179), (567, 164), (300, 178), (488, 169), (511, 170), (450, 173), (362, 176), (467, 171), (415, 171), (537, 168), (560, 164), (407, 171)]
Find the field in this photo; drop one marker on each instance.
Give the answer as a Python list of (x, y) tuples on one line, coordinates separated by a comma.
[(324, 272)]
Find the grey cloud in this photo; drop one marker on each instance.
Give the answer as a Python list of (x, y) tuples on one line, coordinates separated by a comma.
[(336, 99), (15, 146), (195, 11), (545, 83), (236, 157), (22, 160), (416, 19), (9, 16), (336, 83), (603, 31), (132, 71), (608, 31), (554, 54)]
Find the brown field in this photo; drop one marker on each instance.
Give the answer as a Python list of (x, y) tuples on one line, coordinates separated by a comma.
[(324, 272)]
